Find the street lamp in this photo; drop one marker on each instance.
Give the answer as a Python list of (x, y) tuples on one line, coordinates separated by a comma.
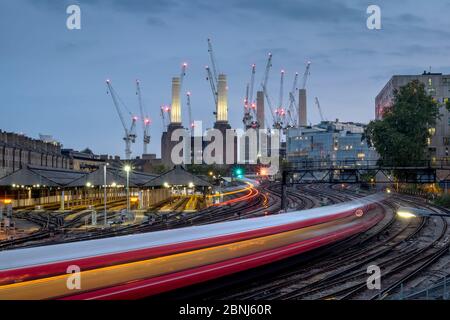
[(127, 169), (408, 213), (104, 194)]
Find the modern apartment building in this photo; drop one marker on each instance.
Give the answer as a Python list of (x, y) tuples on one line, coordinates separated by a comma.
[(329, 142)]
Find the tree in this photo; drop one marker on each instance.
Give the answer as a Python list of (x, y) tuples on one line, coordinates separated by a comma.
[(401, 136)]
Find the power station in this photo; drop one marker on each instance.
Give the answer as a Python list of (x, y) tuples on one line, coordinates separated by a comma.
[(259, 111)]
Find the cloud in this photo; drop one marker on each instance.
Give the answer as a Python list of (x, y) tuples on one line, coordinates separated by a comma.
[(130, 6), (300, 10), (142, 6), (155, 22)]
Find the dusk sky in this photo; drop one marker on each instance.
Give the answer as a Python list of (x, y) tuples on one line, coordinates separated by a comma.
[(52, 80)]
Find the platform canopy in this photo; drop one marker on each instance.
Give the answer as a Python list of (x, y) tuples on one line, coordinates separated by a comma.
[(97, 178), (52, 177), (138, 178), (178, 176), (45, 177)]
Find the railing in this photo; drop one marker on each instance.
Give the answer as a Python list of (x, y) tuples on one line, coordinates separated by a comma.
[(438, 291), (366, 164)]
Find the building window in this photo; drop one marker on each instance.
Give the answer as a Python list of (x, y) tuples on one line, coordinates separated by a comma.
[(446, 141)]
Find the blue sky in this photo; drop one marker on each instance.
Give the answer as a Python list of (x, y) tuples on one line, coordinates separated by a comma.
[(52, 79)]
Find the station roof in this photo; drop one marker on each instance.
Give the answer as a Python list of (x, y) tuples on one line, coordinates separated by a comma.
[(138, 178), (33, 175), (52, 177), (177, 176), (97, 178)]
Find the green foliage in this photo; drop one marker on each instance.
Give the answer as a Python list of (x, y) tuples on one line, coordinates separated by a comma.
[(447, 104), (203, 169), (401, 136), (443, 200)]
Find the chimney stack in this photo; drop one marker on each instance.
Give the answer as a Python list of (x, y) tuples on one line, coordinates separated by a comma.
[(260, 109), (175, 112), (302, 121), (222, 99)]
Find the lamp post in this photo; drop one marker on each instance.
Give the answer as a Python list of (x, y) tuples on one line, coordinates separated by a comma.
[(104, 194), (127, 169)]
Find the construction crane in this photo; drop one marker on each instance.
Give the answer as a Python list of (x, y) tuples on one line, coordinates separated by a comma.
[(144, 119), (292, 109), (306, 74), (322, 118), (280, 112), (212, 83), (130, 134), (191, 123), (182, 74), (165, 110), (213, 61), (264, 84), (211, 75), (249, 119)]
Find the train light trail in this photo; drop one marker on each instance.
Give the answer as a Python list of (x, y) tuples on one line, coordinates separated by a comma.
[(405, 214), (408, 213)]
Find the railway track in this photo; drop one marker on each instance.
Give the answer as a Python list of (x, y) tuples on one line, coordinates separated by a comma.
[(340, 273), (53, 226)]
